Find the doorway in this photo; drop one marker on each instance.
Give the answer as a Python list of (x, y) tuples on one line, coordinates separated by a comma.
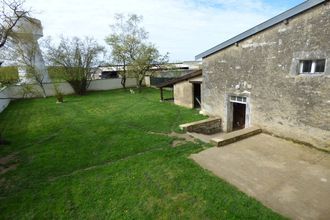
[(197, 95), (239, 112)]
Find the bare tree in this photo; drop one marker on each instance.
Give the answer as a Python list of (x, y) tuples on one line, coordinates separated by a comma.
[(73, 59), (146, 58), (126, 36), (130, 48), (12, 11), (26, 55)]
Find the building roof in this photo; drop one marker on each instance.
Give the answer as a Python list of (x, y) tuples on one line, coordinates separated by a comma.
[(261, 27), (190, 75)]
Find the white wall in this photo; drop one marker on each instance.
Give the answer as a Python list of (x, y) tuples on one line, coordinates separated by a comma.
[(3, 102), (109, 84), (147, 81), (16, 91)]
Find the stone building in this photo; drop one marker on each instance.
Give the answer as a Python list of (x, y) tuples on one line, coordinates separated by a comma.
[(275, 76)]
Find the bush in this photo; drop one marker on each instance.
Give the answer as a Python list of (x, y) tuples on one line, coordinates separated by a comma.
[(56, 73), (75, 76), (8, 75), (58, 93)]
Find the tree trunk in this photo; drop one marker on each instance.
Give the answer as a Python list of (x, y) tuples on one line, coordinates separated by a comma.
[(83, 87), (79, 86), (123, 81), (43, 91), (140, 81)]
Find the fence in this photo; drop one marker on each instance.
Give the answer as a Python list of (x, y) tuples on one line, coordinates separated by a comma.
[(16, 91)]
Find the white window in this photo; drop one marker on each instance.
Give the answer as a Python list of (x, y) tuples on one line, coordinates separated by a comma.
[(238, 99), (312, 66)]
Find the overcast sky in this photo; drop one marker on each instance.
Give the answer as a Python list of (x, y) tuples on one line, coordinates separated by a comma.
[(181, 27)]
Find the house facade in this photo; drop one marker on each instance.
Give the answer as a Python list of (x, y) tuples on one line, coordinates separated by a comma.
[(275, 76)]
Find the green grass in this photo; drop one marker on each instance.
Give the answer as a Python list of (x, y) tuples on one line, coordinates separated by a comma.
[(98, 157)]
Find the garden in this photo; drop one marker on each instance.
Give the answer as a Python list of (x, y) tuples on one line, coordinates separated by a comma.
[(109, 155)]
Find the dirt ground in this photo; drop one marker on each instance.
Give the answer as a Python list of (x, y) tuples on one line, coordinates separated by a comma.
[(8, 163), (289, 178), (180, 138)]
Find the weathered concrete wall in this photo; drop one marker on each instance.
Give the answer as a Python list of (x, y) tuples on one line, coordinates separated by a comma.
[(3, 101), (263, 68), (17, 91), (184, 94), (147, 81), (108, 84)]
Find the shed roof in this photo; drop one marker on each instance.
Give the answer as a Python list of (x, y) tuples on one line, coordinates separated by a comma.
[(267, 24), (190, 75)]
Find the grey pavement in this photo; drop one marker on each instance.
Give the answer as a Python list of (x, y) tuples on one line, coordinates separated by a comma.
[(291, 179)]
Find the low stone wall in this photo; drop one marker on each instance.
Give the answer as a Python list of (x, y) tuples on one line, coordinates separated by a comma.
[(16, 91), (207, 126)]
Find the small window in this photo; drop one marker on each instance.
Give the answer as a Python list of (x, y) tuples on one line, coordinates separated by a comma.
[(307, 66), (238, 99), (312, 66), (319, 66)]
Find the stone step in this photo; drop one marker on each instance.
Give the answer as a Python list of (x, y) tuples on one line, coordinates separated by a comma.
[(235, 136)]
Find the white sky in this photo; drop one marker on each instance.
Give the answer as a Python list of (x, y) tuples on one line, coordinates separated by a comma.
[(181, 27)]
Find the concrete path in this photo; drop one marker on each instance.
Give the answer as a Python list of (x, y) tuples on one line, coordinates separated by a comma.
[(291, 179)]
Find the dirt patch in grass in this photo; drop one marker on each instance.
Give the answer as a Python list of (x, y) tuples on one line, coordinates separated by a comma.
[(180, 139), (8, 163), (177, 143)]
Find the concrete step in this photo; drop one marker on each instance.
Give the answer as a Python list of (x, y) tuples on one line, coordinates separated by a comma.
[(235, 136)]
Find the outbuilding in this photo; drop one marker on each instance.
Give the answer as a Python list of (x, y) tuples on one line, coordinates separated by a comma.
[(186, 89)]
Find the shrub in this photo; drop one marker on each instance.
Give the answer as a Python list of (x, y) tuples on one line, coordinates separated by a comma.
[(8, 75), (58, 93)]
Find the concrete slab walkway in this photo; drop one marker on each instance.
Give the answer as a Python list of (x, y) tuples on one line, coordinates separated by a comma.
[(289, 178)]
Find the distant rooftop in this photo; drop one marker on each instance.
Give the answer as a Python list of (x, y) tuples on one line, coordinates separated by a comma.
[(169, 66), (190, 75)]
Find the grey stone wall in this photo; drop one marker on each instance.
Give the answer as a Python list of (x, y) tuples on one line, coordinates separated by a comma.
[(207, 126), (263, 68)]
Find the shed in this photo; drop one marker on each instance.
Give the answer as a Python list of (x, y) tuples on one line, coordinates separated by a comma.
[(186, 89)]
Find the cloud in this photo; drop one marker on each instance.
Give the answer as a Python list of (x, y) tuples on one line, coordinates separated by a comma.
[(181, 27)]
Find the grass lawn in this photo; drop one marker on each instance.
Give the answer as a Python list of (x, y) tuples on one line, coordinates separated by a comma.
[(101, 156)]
